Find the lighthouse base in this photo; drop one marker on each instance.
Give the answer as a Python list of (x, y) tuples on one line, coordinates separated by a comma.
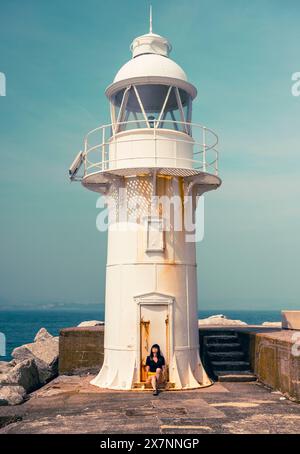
[(120, 371)]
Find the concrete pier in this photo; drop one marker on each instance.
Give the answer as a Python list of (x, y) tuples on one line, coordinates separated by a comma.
[(69, 404)]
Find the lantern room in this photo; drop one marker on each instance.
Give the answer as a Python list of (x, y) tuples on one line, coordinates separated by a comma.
[(151, 90), (151, 128)]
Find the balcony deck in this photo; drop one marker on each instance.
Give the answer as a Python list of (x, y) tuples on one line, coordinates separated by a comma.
[(143, 151)]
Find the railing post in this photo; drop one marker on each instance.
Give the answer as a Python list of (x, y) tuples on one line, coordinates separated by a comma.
[(204, 149), (154, 135), (103, 147), (85, 156), (217, 163)]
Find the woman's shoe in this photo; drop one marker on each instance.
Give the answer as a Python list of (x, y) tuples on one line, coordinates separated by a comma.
[(155, 392)]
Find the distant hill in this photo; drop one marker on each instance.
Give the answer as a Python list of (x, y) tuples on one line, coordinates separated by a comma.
[(51, 306)]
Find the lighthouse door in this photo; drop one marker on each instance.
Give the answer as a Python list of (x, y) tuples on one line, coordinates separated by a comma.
[(154, 329)]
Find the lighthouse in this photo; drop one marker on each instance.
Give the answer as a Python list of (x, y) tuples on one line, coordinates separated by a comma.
[(151, 163)]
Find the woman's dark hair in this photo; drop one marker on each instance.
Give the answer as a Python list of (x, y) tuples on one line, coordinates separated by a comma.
[(158, 351)]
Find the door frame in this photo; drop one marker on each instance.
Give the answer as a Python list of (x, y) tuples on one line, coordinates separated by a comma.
[(154, 299)]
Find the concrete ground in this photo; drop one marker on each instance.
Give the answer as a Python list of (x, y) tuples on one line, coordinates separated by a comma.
[(69, 404)]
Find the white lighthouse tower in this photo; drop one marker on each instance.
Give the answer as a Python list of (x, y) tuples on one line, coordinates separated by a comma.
[(152, 163)]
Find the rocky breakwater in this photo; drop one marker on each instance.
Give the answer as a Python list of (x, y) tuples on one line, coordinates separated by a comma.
[(220, 320), (33, 366)]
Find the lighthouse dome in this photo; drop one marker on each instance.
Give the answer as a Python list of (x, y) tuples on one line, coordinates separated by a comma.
[(150, 54), (150, 64), (146, 65)]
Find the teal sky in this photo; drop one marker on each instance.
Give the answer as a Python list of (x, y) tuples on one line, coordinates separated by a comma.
[(59, 56)]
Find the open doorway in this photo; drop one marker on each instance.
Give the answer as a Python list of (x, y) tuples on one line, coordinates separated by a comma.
[(154, 326), (154, 329)]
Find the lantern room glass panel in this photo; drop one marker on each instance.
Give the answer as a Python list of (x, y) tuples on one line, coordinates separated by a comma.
[(151, 106)]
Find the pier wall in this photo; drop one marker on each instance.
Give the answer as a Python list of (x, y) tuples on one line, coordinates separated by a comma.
[(275, 359)]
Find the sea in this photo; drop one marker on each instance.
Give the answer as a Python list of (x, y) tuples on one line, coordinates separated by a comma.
[(20, 326)]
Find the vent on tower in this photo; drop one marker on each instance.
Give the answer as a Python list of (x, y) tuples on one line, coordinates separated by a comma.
[(150, 44)]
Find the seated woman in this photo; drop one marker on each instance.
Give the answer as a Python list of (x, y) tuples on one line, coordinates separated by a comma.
[(155, 367)]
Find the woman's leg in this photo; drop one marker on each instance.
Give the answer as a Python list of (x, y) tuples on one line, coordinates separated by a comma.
[(153, 382), (157, 377)]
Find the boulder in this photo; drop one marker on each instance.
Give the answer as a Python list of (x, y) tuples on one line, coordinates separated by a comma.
[(42, 335), (91, 323), (12, 395), (220, 320), (44, 351), (272, 324), (24, 373), (5, 366)]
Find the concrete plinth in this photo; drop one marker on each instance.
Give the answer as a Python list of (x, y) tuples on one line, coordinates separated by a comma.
[(81, 349)]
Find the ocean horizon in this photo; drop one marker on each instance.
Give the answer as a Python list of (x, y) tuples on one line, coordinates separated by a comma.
[(20, 326)]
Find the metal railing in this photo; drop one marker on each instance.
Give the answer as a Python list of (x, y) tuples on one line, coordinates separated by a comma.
[(202, 140)]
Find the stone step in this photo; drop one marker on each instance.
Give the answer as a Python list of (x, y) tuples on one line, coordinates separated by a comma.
[(218, 332), (235, 376), (226, 356), (230, 365), (220, 339), (148, 386), (224, 347)]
